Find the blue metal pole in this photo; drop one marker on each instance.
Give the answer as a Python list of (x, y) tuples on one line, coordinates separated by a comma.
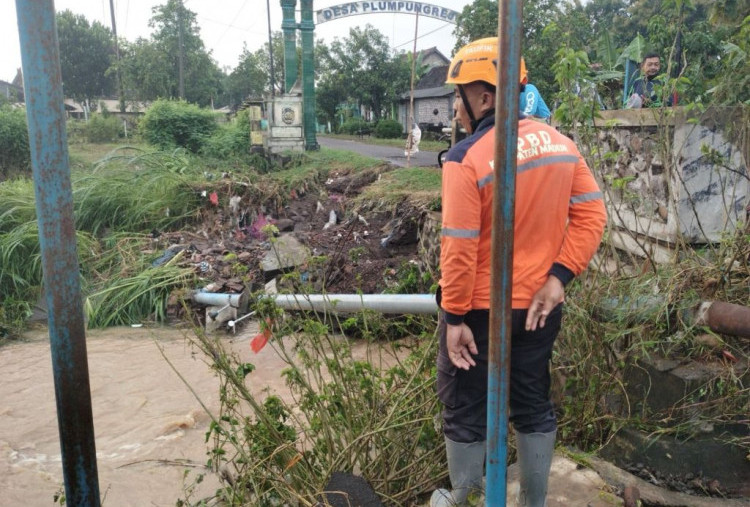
[(501, 277), (45, 113)]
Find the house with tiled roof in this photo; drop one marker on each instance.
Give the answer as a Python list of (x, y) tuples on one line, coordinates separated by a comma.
[(433, 101)]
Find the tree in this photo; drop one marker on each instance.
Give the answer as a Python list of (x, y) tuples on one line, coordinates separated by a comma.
[(477, 20), (151, 67), (177, 34), (86, 55), (361, 67), (248, 79), (146, 71)]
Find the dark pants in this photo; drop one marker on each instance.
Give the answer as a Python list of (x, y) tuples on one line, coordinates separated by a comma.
[(464, 392)]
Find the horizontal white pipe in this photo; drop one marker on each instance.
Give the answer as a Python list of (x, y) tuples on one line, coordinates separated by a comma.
[(351, 303), (218, 299)]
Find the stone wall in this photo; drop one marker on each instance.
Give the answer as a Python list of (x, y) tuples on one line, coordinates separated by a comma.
[(672, 176)]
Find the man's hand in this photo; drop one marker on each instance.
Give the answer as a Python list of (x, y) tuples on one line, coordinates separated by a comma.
[(549, 296), (459, 341)]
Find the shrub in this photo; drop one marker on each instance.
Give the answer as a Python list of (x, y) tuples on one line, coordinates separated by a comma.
[(356, 126), (230, 140), (169, 123), (14, 142), (103, 128), (388, 129)]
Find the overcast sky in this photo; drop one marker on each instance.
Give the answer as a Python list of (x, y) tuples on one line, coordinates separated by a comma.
[(228, 24)]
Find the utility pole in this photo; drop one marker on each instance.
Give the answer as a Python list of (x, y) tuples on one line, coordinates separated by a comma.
[(270, 50), (411, 119), (117, 56), (180, 52)]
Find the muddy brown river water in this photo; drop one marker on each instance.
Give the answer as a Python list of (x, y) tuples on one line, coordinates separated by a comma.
[(149, 427)]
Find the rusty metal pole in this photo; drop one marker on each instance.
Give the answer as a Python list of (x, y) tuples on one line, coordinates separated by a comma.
[(501, 277), (40, 56)]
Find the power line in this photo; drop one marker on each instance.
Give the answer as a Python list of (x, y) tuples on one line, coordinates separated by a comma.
[(231, 25), (410, 41)]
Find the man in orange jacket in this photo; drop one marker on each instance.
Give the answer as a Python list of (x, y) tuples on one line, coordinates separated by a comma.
[(559, 222)]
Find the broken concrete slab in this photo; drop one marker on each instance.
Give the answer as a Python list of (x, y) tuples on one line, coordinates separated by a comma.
[(285, 254)]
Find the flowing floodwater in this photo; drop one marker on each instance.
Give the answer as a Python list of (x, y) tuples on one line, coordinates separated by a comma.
[(149, 426)]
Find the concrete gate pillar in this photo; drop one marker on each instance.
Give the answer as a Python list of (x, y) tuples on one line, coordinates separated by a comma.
[(289, 27), (307, 27)]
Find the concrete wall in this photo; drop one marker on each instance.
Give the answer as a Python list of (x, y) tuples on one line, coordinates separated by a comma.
[(671, 175), (424, 111)]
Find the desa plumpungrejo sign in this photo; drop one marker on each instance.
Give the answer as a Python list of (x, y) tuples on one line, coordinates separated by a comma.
[(398, 7)]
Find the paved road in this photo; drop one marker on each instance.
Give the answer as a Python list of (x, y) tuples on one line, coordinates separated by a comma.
[(393, 155)]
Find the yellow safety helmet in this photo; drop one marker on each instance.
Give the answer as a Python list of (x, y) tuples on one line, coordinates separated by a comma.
[(477, 61)]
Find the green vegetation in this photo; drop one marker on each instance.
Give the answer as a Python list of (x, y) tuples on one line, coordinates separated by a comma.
[(368, 409), (424, 144), (118, 201), (171, 124), (419, 185), (230, 140), (14, 142), (103, 128), (388, 129), (356, 126), (702, 43)]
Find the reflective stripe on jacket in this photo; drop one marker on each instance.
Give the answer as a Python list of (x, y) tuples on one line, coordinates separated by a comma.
[(559, 215)]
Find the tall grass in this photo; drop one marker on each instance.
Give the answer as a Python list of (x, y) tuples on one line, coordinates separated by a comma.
[(17, 204), (124, 196), (151, 191), (138, 298), (21, 270)]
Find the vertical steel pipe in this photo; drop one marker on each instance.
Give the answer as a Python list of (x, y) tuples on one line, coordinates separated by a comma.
[(45, 113), (501, 277)]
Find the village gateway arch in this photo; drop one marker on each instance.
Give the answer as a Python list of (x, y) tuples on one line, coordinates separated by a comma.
[(306, 26)]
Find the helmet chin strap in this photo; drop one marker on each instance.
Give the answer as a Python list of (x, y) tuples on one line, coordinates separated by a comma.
[(467, 106), (474, 122)]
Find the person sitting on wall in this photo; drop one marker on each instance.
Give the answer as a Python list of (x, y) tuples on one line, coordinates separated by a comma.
[(643, 92), (532, 103)]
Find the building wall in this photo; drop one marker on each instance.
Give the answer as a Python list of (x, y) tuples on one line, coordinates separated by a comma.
[(425, 111), (11, 92)]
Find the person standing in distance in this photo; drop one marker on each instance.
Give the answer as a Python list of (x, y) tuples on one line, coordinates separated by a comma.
[(644, 92), (532, 103), (559, 222)]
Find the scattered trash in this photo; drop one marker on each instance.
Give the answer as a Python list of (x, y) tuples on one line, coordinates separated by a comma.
[(234, 204), (214, 198), (256, 229), (212, 287), (362, 219), (331, 220), (168, 255), (319, 208), (259, 340), (412, 144)]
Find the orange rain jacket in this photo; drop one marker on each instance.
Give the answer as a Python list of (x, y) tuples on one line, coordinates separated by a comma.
[(559, 216)]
